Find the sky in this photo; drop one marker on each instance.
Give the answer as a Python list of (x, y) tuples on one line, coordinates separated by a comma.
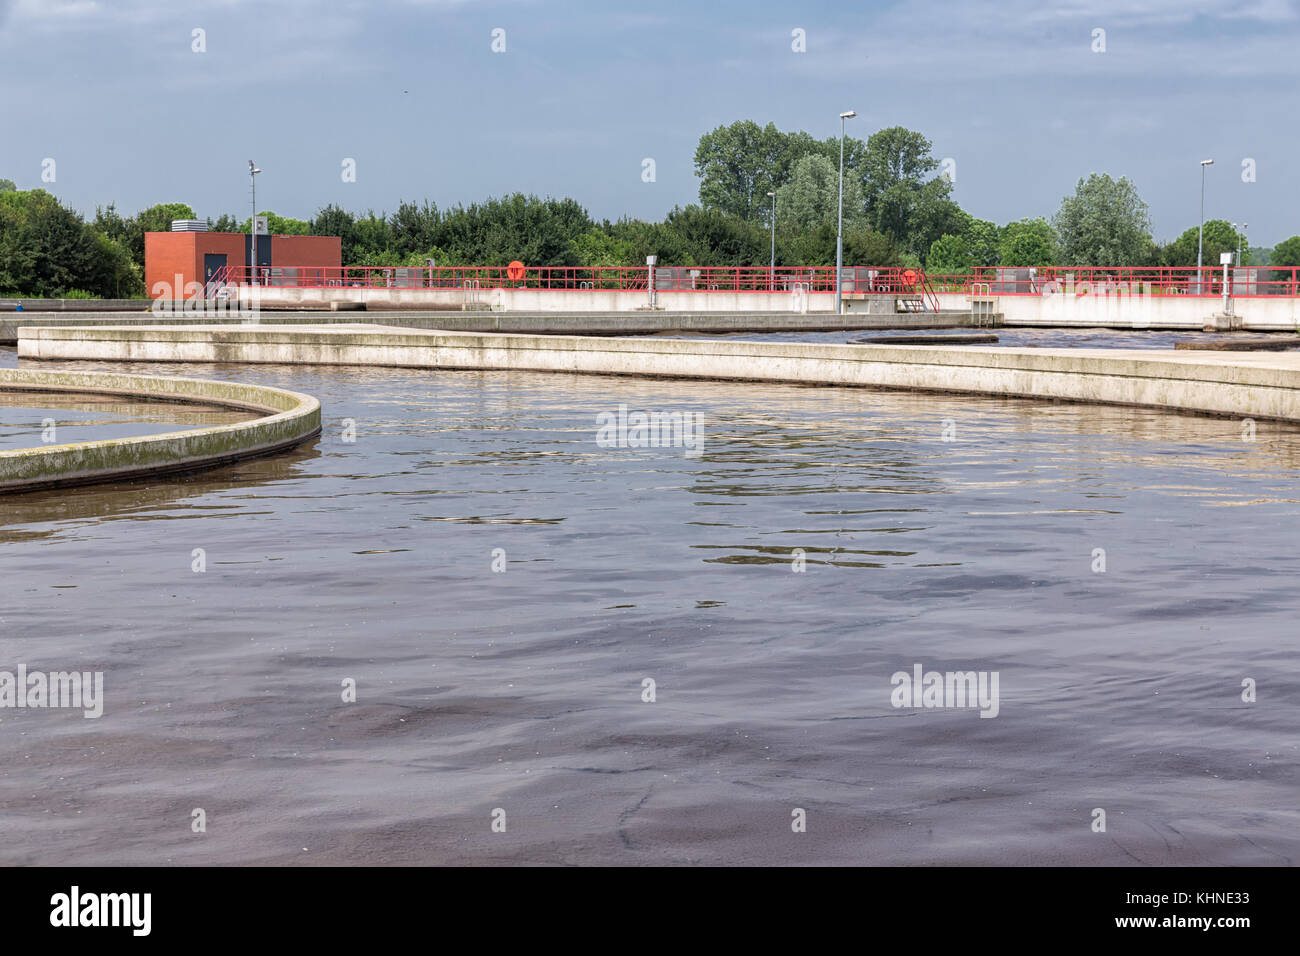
[(1025, 97)]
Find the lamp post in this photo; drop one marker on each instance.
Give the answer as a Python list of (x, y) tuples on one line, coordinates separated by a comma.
[(771, 274), (252, 221), (839, 228), (1200, 230)]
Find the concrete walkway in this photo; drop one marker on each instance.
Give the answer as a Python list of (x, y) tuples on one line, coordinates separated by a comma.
[(1254, 385), (288, 419), (535, 323)]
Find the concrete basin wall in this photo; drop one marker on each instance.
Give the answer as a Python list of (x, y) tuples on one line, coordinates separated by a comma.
[(1273, 313), (578, 323), (1256, 385), (289, 418)]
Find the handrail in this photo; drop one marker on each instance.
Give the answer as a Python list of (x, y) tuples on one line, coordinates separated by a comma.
[(1247, 281)]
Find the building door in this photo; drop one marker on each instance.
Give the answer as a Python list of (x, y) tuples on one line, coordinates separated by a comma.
[(263, 256), (211, 263)]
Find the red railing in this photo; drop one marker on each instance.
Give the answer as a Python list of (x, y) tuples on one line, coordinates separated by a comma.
[(782, 280), (1244, 281)]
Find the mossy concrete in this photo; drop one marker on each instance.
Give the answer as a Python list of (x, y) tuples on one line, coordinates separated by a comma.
[(1260, 385), (287, 419)]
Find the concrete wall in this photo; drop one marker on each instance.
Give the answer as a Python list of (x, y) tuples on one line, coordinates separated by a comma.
[(582, 323), (1241, 384), (289, 419), (1263, 313), (75, 305), (1266, 313), (547, 300)]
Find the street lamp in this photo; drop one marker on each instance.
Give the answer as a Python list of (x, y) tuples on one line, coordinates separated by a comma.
[(839, 229), (771, 274), (252, 222), (1200, 231)]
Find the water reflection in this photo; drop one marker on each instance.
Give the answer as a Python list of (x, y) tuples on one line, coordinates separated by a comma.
[(26, 417)]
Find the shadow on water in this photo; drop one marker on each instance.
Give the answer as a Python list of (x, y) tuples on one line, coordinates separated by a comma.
[(46, 514)]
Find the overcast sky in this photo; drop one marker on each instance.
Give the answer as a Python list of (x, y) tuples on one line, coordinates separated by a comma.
[(411, 90)]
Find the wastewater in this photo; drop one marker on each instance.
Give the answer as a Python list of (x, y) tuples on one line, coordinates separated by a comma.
[(460, 628)]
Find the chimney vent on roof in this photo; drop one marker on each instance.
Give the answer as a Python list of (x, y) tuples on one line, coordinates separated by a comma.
[(189, 225)]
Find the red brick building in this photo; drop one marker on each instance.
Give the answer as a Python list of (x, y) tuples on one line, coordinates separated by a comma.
[(196, 256)]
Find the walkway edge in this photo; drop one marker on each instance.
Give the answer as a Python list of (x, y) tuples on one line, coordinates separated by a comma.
[(288, 419), (1256, 385)]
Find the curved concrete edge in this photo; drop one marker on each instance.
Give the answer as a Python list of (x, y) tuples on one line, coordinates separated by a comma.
[(288, 419), (1255, 385)]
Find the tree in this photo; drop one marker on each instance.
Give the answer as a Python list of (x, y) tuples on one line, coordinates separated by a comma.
[(335, 221), (1105, 223), (715, 238), (900, 200), (47, 250), (7, 186), (1219, 237), (154, 219), (949, 255), (414, 228), (1027, 242), (597, 247), (862, 247), (277, 225), (739, 164), (811, 197), (652, 239), (982, 241), (1286, 253), (539, 232)]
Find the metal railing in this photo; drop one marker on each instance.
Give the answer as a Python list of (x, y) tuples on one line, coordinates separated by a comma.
[(1243, 281), (1206, 282)]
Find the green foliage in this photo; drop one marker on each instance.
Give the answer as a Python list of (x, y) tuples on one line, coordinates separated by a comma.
[(889, 186), (811, 197), (277, 225), (949, 255), (7, 186), (740, 163), (902, 199), (1286, 253), (1219, 237), (715, 238), (862, 247), (129, 232), (597, 247), (1105, 223), (47, 251), (652, 239), (1027, 242)]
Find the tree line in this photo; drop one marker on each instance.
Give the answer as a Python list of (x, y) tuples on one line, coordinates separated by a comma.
[(756, 183)]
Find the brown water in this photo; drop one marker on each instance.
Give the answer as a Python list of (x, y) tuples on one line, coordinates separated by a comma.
[(522, 690)]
